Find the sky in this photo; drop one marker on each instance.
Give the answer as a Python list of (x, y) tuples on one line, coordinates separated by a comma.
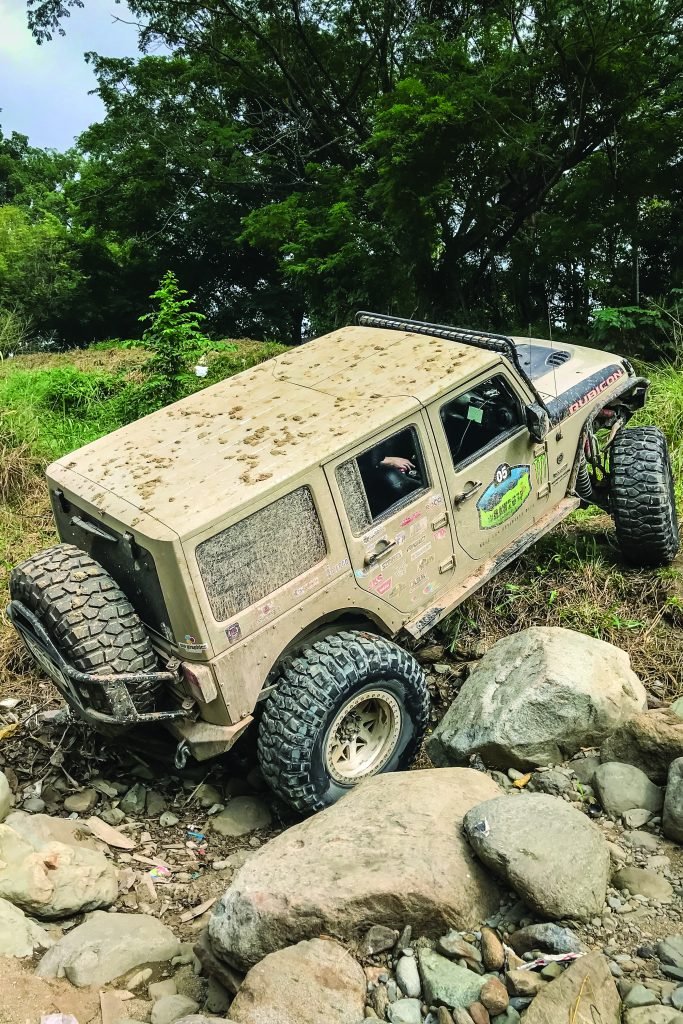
[(44, 89)]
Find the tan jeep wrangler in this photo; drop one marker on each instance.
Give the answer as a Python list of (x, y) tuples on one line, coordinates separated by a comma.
[(253, 551)]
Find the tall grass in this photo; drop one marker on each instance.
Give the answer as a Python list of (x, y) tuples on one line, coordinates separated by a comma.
[(665, 409)]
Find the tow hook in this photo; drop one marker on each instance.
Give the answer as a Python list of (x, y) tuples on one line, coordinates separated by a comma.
[(181, 754)]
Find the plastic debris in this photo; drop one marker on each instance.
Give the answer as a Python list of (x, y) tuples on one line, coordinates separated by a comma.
[(197, 836), (58, 1018), (521, 783), (160, 873), (550, 958)]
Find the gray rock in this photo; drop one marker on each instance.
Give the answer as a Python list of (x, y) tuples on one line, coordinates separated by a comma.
[(641, 840), (537, 696), (653, 1015), (405, 1011), (455, 947), (677, 995), (554, 781), (636, 818), (584, 768), (208, 795), (135, 800), (511, 1016), (549, 938), (670, 950), (546, 850), (156, 804), (378, 939), (309, 983), (20, 936), (52, 879), (243, 814), (159, 989), (677, 707), (641, 882), (621, 787), (5, 797), (356, 863), (168, 818), (112, 815), (445, 982), (107, 946), (81, 802), (638, 995), (169, 1009), (408, 977), (201, 1018), (650, 741), (672, 819)]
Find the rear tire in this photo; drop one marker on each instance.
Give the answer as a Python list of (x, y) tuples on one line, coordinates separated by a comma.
[(642, 499), (351, 706), (87, 616)]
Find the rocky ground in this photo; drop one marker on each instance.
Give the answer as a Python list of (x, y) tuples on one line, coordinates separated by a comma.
[(535, 875)]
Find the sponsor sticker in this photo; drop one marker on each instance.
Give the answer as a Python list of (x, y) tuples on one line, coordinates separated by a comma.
[(233, 632), (504, 496)]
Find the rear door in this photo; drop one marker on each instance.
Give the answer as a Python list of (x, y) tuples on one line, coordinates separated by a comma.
[(390, 497), (496, 475)]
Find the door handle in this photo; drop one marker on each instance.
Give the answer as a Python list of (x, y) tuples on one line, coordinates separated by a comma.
[(459, 498), (378, 555)]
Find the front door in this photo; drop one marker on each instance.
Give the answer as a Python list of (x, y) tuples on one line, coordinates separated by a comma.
[(496, 475), (395, 517)]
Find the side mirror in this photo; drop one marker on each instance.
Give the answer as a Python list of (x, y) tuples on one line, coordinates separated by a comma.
[(537, 421)]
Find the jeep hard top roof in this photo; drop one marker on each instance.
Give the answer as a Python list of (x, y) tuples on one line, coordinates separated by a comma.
[(193, 463)]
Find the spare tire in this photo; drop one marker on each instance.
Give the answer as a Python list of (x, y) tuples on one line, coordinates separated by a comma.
[(88, 618)]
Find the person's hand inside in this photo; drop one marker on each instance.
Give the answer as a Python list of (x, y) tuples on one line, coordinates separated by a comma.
[(398, 462)]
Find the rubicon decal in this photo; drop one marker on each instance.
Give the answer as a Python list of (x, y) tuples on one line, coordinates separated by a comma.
[(595, 391), (585, 392), (505, 495)]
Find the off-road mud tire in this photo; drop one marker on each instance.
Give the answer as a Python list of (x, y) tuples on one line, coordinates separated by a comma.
[(87, 616), (309, 693), (642, 499)]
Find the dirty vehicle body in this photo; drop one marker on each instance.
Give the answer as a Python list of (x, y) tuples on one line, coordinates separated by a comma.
[(253, 551)]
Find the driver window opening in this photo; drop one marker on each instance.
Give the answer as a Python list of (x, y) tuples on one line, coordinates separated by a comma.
[(383, 479), (476, 419)]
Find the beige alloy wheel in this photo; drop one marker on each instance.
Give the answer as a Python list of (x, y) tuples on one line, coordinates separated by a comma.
[(362, 736)]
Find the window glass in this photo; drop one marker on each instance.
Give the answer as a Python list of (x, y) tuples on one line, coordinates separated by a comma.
[(383, 479), (475, 419), (248, 561)]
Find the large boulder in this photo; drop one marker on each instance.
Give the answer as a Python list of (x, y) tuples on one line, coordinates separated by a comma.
[(314, 982), (622, 787), (651, 741), (672, 820), (39, 829), (391, 852), (537, 697), (584, 992), (19, 936), (545, 849), (106, 946), (5, 797), (53, 880)]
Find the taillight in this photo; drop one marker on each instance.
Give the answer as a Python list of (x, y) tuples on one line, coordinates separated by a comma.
[(200, 680)]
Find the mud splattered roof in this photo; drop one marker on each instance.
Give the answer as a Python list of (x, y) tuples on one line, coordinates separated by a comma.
[(195, 462)]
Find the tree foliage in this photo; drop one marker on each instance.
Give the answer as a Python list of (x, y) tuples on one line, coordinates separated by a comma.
[(493, 163)]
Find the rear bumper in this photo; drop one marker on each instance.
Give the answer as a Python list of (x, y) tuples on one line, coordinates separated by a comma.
[(78, 688)]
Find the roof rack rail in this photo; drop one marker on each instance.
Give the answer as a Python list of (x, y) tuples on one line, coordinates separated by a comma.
[(479, 339)]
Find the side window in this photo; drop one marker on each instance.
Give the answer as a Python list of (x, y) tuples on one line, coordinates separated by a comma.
[(383, 479), (476, 419), (271, 547)]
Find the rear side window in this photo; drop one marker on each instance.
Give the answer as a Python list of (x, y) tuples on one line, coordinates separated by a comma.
[(271, 547), (382, 480)]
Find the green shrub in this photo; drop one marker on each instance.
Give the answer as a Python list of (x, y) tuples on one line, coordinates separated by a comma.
[(74, 392)]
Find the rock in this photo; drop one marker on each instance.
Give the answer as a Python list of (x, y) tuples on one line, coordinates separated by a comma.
[(112, 816), (408, 977), (455, 947), (653, 1015), (81, 802), (5, 797), (218, 999), (677, 707), (39, 829), (638, 995), (554, 781), (168, 818), (546, 850), (677, 995), (670, 950), (446, 982), (650, 741), (492, 952), (641, 840), (156, 804), (357, 861), (584, 768), (138, 979), (622, 786), (548, 938), (159, 989), (524, 983), (586, 983), (311, 982), (135, 800), (672, 819), (535, 697), (213, 967), (207, 796), (636, 818), (511, 1016), (460, 1016), (34, 805), (20, 936), (169, 1009), (405, 1011), (479, 1013), (494, 996), (55, 880), (107, 946), (201, 1018), (378, 939), (641, 882), (243, 814)]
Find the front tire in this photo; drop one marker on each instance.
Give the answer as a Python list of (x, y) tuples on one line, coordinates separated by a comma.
[(642, 498), (349, 707)]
